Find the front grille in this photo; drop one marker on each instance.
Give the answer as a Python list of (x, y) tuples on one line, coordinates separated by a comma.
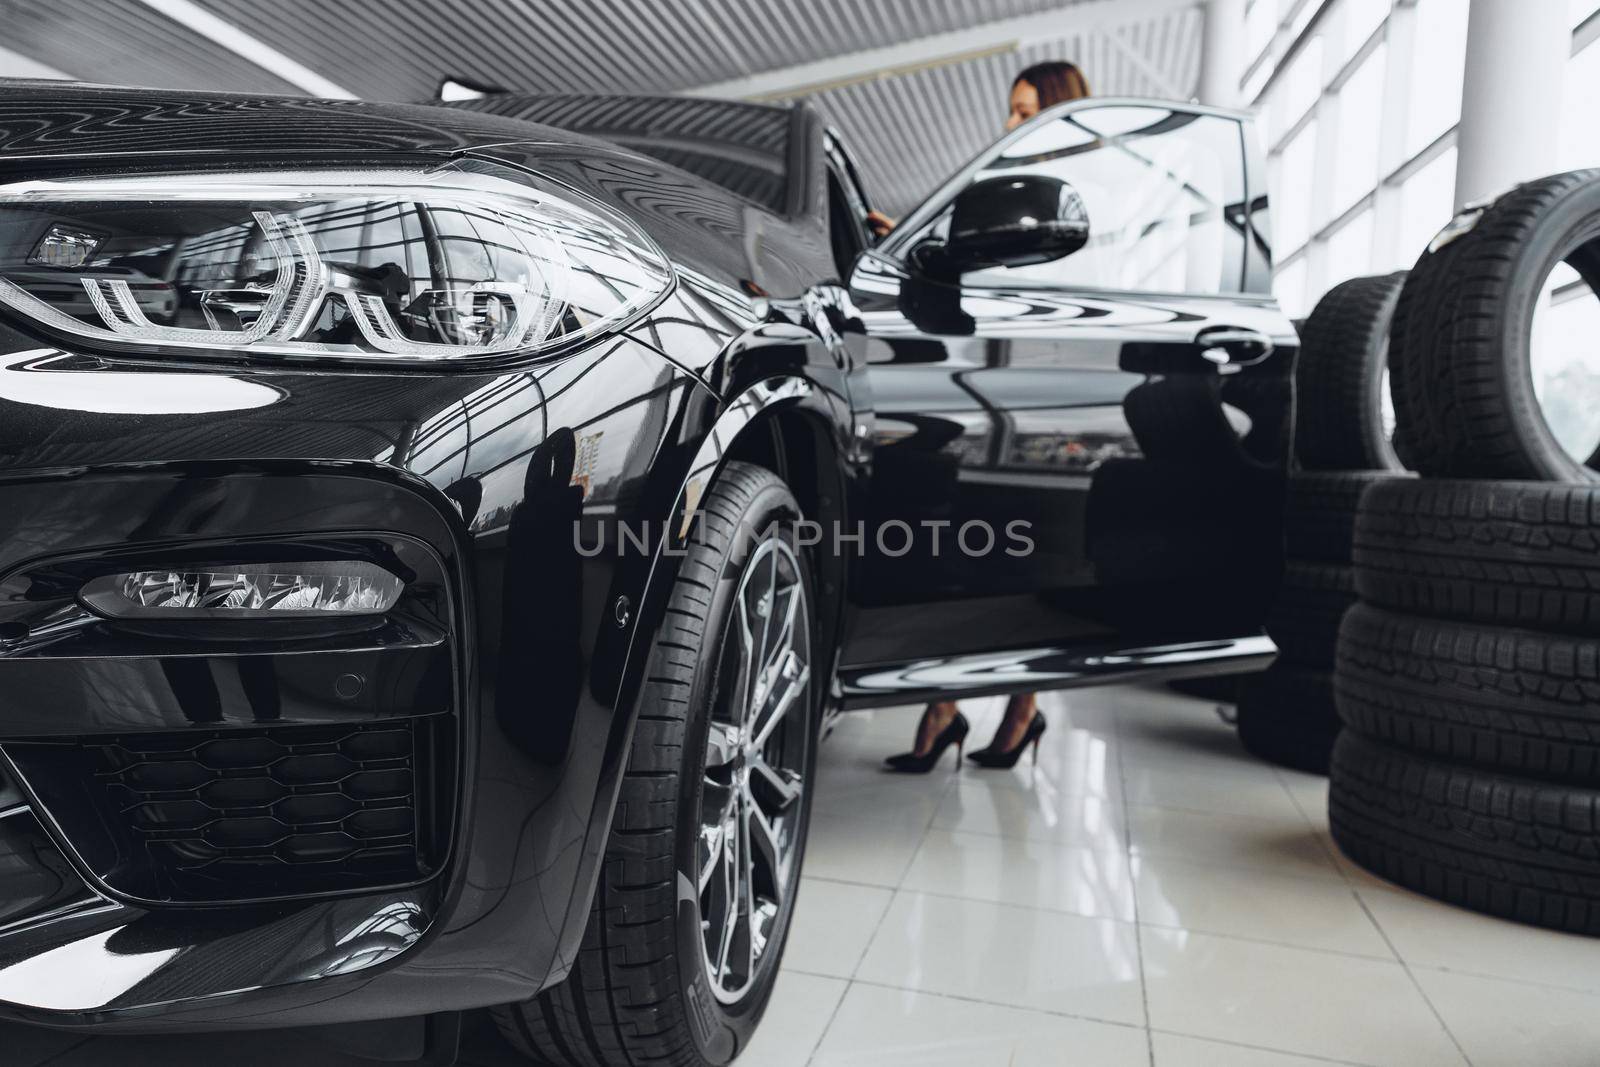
[(240, 814)]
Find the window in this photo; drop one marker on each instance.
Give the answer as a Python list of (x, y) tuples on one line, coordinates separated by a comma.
[(1163, 189), (1355, 168), (1297, 89), (1296, 173), (739, 146), (845, 234), (1427, 200), (1436, 71), (1361, 19), (1580, 134), (1254, 82), (1289, 286), (1349, 250), (1260, 22)]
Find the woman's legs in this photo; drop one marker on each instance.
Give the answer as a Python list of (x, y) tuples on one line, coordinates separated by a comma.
[(1019, 713), (935, 718)]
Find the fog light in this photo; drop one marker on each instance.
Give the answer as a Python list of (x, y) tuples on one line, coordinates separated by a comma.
[(245, 591)]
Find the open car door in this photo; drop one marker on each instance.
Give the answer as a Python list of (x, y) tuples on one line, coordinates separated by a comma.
[(1081, 394)]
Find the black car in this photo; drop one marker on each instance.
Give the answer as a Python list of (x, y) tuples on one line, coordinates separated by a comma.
[(433, 540)]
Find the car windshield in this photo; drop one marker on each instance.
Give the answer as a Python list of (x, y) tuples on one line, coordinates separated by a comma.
[(741, 147)]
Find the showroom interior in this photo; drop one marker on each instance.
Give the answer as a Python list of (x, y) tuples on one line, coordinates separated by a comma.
[(1153, 884)]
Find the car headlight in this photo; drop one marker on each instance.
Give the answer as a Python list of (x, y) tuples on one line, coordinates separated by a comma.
[(246, 591), (463, 260)]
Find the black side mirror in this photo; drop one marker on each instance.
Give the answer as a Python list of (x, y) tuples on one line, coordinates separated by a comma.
[(1008, 222)]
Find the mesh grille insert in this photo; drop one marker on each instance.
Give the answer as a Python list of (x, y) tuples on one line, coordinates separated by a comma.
[(235, 813)]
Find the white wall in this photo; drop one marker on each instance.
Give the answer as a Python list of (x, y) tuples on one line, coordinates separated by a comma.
[(1359, 101)]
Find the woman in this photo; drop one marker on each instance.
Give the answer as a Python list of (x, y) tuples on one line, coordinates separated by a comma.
[(1038, 87)]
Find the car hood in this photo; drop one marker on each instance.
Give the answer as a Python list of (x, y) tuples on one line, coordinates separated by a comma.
[(47, 121)]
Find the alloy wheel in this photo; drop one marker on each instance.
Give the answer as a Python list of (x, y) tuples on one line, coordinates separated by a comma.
[(750, 793)]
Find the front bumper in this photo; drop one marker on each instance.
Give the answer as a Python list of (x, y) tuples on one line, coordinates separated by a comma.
[(469, 468)]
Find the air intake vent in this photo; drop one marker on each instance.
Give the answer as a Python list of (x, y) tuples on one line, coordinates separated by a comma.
[(241, 814)]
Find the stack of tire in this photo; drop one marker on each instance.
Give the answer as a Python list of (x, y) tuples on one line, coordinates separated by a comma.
[(1468, 677), (1342, 446)]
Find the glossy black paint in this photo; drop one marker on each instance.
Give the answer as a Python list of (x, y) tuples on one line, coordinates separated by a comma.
[(1114, 459), (477, 468), (34, 879), (1150, 519), (515, 482), (1010, 221)]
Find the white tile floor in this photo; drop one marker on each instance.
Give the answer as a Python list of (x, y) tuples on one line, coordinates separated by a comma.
[(1148, 895)]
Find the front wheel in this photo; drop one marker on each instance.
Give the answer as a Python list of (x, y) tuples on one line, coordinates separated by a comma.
[(703, 863)]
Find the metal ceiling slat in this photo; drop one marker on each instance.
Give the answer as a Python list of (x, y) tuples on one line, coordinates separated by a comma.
[(605, 45), (708, 27), (909, 128), (528, 18), (127, 44)]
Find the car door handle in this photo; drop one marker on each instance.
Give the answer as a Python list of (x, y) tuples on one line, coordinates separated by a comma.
[(1233, 346)]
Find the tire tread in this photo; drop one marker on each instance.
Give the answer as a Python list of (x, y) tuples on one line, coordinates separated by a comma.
[(1511, 847), (1338, 426), (621, 1003)]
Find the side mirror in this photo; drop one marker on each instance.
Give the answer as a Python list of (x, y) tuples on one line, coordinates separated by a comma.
[(1008, 222)]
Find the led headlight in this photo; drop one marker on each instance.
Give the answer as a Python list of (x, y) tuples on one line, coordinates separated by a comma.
[(246, 591), (464, 260)]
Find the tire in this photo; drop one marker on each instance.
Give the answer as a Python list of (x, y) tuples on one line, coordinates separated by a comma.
[(1340, 383), (1522, 850), (1460, 343), (1320, 515), (1517, 701), (1304, 622), (1286, 716), (642, 988), (1521, 554)]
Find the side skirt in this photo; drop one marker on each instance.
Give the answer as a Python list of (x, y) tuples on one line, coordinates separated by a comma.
[(1024, 670)]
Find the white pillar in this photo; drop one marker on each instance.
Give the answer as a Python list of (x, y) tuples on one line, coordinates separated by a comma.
[(1517, 54), (1222, 55)]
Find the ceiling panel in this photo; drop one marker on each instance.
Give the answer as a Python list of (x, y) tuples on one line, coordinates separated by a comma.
[(125, 44), (576, 45), (908, 129)]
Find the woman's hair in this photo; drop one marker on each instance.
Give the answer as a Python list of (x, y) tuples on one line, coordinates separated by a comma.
[(1055, 81)]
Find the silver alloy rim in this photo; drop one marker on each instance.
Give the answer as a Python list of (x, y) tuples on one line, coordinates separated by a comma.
[(750, 792)]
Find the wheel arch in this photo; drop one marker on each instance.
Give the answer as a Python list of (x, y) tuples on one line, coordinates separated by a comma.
[(791, 424)]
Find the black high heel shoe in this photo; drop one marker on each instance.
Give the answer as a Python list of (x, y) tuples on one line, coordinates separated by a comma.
[(953, 734), (1007, 758)]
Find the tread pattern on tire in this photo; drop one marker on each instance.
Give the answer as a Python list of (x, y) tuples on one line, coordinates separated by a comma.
[(621, 1003), (1448, 347), (1514, 553), (1286, 716), (1522, 850), (1515, 700), (1320, 514), (1304, 622), (1336, 424)]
